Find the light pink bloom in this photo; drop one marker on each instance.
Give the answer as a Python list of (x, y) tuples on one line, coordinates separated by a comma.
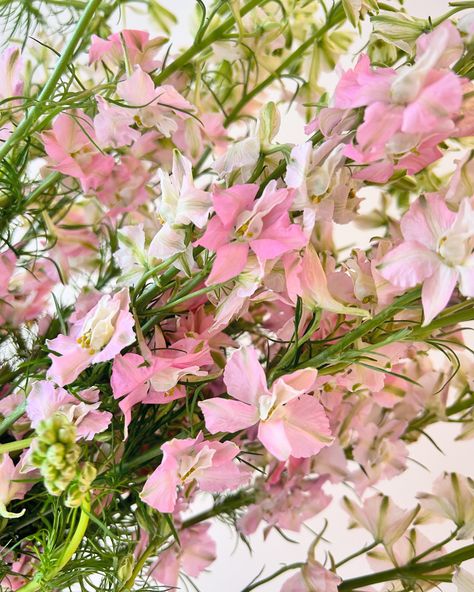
[(290, 422), (153, 107), (44, 400), (208, 464), (437, 252), (453, 499), (306, 278), (13, 485), (385, 521), (312, 577), (112, 125), (243, 223), (181, 204), (11, 74), (69, 146), (406, 112), (290, 495), (136, 380), (135, 46), (96, 337), (197, 550)]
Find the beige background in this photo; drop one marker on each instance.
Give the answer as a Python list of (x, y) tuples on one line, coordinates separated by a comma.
[(235, 566)]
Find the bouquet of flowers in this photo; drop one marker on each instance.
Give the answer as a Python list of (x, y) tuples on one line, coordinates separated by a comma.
[(202, 318)]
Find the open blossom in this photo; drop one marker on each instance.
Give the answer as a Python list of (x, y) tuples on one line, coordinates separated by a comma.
[(181, 204), (290, 495), (195, 552), (324, 188), (436, 251), (452, 498), (290, 422), (13, 485), (150, 106), (70, 147), (155, 379), (385, 521), (129, 44), (408, 113), (97, 336), (243, 223), (208, 464), (44, 400)]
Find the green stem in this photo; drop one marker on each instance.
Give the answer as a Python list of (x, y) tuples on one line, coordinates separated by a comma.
[(10, 419), (333, 351), (409, 572), (69, 550), (16, 445), (48, 89), (231, 502), (197, 48), (274, 575), (336, 16), (357, 554)]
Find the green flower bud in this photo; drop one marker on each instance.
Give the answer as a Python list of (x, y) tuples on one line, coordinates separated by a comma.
[(56, 453), (125, 569)]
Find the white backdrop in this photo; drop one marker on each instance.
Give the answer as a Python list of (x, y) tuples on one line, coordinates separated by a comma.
[(235, 566)]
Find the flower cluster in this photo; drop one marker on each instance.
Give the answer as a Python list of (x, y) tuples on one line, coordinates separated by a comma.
[(182, 322)]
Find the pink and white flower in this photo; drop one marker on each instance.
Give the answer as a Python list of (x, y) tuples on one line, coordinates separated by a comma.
[(243, 223), (44, 400), (208, 464), (96, 337), (436, 252), (290, 422)]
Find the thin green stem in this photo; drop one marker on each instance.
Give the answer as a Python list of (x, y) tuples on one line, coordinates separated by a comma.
[(16, 445), (48, 89), (10, 419), (332, 352), (186, 57), (362, 551), (409, 572), (68, 552), (274, 575)]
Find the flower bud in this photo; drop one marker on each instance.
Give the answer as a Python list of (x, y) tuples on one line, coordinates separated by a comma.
[(125, 568), (56, 453)]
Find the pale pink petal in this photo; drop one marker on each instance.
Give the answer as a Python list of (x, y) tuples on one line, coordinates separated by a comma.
[(437, 291), (229, 262), (427, 221), (160, 491), (229, 203), (66, 367), (272, 435), (223, 415), (306, 426), (409, 264), (244, 376)]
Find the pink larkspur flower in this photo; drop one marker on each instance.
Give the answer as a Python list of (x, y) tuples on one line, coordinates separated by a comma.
[(196, 552), (44, 400), (243, 224), (96, 337), (290, 422), (155, 380), (69, 145), (208, 464), (436, 252), (135, 46)]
